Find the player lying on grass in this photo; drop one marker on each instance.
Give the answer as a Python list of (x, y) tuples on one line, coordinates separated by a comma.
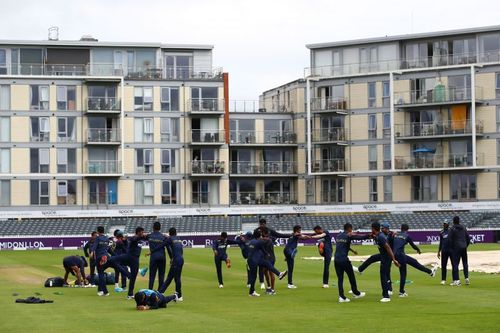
[(147, 299), (75, 265)]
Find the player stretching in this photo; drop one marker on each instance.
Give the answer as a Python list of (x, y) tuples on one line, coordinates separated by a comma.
[(147, 299), (325, 250), (386, 256), (175, 252), (219, 246), (75, 265), (400, 241), (291, 250)]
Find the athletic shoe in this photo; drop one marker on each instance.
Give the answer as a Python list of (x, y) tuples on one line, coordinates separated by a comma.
[(291, 286), (390, 292), (143, 271), (456, 283), (270, 291), (344, 300), (221, 286), (403, 295), (356, 269), (248, 285), (176, 297), (434, 270), (180, 299), (443, 282), (254, 294), (262, 286), (361, 294), (350, 291), (326, 286), (130, 297), (467, 281), (282, 275), (118, 290), (100, 293), (385, 300)]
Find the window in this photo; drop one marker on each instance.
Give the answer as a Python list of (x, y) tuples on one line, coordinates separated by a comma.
[(463, 187), (144, 129), (178, 66), (144, 161), (168, 161), (205, 99), (3, 61), (4, 129), (498, 184), (4, 97), (200, 189), (332, 191), (498, 86), (169, 99), (143, 98), (169, 192), (372, 157), (169, 129), (40, 129), (498, 151), (387, 156), (424, 188), (39, 97), (66, 192), (386, 120), (39, 160), (387, 188), (4, 192), (4, 160), (39, 192), (373, 189), (66, 98), (372, 95), (386, 94), (66, 160), (66, 129), (372, 126), (144, 192)]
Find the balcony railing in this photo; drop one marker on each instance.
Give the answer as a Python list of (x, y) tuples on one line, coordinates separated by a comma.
[(328, 104), (435, 161), (208, 136), (440, 94), (262, 137), (205, 105), (396, 64), (262, 198), (130, 72), (428, 129), (207, 167), (264, 168), (103, 104), (263, 107), (103, 167), (103, 135), (331, 165), (334, 134), (40, 137)]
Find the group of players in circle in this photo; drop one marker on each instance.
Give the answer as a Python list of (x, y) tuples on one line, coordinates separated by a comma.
[(123, 253)]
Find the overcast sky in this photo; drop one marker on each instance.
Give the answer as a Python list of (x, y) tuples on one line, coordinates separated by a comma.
[(261, 43)]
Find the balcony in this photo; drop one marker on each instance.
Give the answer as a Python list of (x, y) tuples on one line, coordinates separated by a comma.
[(432, 130), (330, 135), (398, 64), (101, 105), (440, 95), (104, 136), (264, 168), (263, 198), (103, 168), (256, 106), (263, 138), (207, 168), (326, 105), (117, 70), (208, 137), (430, 161), (331, 165), (205, 106)]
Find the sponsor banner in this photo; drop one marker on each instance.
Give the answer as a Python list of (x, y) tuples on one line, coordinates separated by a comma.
[(54, 242), (252, 210)]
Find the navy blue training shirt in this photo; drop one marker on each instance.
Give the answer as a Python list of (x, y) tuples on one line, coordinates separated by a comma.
[(400, 241), (156, 242), (100, 246), (343, 244), (174, 248), (134, 248), (327, 241), (292, 243), (444, 243), (381, 240)]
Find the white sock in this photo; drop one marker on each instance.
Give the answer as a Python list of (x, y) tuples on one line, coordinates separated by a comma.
[(116, 285)]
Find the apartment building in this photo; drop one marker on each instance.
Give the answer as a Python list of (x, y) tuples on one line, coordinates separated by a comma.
[(401, 119), (89, 124)]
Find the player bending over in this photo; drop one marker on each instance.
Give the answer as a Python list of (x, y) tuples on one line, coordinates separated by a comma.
[(147, 299)]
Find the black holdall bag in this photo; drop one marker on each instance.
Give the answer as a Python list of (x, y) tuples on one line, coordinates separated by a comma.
[(54, 282)]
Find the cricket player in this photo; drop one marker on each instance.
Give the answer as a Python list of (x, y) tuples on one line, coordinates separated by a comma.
[(76, 266), (459, 241), (444, 251), (157, 259), (148, 299), (175, 251)]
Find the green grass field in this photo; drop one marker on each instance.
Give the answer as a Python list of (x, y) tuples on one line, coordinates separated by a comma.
[(430, 307)]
